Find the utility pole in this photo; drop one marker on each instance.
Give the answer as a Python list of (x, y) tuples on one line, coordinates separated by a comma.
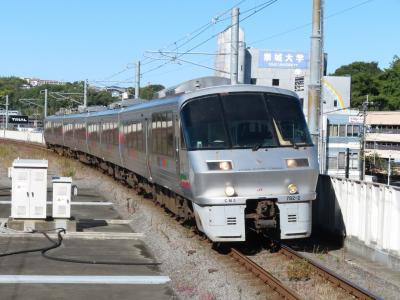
[(362, 146), (389, 169), (137, 80), (234, 45), (314, 87), (85, 93), (6, 114), (45, 103), (347, 170)]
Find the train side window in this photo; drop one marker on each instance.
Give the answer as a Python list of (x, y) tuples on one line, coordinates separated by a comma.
[(140, 136), (135, 137), (159, 134), (164, 136), (170, 134), (153, 133), (116, 134), (129, 135)]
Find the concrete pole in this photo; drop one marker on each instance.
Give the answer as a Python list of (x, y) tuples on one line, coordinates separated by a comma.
[(314, 88), (45, 103), (6, 113), (234, 45), (241, 62), (137, 80), (85, 93)]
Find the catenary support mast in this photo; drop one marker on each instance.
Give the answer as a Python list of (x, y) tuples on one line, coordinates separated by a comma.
[(234, 45), (314, 87)]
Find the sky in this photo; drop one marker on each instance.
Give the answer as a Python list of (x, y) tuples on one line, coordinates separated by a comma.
[(71, 40)]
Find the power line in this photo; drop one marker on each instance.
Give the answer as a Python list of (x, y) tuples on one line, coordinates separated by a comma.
[(191, 36), (254, 10), (196, 64), (309, 23)]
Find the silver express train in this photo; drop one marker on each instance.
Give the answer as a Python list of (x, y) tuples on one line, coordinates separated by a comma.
[(232, 157)]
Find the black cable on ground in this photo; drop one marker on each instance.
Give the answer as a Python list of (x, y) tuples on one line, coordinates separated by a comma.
[(34, 249), (56, 244), (93, 262)]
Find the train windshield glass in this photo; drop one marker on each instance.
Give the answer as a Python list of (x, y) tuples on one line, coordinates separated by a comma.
[(288, 120), (203, 124), (244, 120), (249, 124)]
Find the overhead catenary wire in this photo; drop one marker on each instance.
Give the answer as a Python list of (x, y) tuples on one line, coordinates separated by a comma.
[(185, 40), (305, 25), (253, 11), (189, 37)]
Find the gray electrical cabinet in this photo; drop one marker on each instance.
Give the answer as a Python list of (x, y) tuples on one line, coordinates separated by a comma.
[(62, 197), (29, 188)]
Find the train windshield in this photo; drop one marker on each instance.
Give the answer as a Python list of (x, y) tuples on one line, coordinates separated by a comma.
[(244, 120)]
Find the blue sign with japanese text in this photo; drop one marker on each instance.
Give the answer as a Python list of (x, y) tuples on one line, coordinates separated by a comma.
[(283, 59)]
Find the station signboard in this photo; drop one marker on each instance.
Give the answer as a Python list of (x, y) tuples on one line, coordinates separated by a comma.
[(18, 119), (283, 59)]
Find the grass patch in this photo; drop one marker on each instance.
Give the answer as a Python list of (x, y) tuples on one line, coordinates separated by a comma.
[(5, 151), (67, 168), (299, 269), (7, 154)]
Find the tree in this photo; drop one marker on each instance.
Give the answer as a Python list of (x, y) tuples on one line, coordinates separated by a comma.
[(357, 68), (382, 86), (390, 84), (147, 92)]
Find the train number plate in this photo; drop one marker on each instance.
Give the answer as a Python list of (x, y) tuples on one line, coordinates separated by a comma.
[(293, 198)]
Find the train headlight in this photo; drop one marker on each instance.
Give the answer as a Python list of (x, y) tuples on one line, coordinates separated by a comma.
[(297, 162), (292, 188), (224, 165), (230, 191)]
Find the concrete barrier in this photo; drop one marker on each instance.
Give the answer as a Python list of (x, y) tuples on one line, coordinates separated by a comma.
[(366, 214), (34, 137)]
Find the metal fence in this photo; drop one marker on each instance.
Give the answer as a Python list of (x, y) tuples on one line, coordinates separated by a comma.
[(364, 211)]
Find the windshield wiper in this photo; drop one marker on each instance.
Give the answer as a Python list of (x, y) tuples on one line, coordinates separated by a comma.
[(256, 147)]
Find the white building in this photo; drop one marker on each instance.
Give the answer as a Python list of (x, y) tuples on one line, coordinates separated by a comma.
[(383, 134)]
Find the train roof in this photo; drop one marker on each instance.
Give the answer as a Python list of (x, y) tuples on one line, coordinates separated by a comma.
[(179, 99)]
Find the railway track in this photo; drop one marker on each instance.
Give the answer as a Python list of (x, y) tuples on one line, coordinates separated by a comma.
[(287, 293), (273, 283), (335, 279)]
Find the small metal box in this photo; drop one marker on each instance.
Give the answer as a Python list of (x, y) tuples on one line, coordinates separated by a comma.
[(62, 197), (29, 188)]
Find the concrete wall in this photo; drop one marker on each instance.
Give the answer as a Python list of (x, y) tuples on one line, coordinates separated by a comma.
[(366, 214), (36, 137)]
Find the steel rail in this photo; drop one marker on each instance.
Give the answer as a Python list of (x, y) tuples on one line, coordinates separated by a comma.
[(266, 277), (350, 287)]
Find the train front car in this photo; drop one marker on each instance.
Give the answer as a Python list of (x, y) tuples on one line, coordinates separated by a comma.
[(250, 162)]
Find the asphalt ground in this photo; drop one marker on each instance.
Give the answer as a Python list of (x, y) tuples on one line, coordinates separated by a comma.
[(32, 276)]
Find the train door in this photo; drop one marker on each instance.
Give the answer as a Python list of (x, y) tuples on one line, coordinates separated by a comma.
[(177, 145), (148, 133), (182, 162)]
